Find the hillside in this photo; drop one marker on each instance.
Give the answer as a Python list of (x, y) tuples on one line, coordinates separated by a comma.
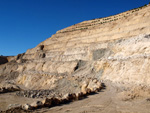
[(81, 60)]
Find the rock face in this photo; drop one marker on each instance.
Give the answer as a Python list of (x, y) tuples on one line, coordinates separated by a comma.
[(77, 58), (3, 60)]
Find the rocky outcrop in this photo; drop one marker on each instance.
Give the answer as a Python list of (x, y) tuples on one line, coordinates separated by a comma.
[(3, 60), (77, 58), (72, 52), (7, 87), (63, 99)]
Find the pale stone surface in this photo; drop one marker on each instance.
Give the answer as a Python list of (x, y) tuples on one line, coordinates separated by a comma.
[(36, 104), (77, 58), (26, 107)]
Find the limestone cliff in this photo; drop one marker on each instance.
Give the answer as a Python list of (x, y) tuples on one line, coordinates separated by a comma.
[(115, 48)]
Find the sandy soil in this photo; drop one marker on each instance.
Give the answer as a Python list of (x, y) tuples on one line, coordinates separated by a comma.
[(106, 101), (7, 99)]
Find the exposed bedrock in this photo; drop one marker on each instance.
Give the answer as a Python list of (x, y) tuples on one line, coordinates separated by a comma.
[(3, 60), (80, 57)]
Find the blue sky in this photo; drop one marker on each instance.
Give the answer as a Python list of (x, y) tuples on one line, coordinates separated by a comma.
[(26, 23)]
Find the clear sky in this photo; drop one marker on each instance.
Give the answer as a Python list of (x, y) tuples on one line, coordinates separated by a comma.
[(26, 23)]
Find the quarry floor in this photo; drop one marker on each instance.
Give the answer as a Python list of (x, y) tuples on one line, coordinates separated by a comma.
[(105, 101)]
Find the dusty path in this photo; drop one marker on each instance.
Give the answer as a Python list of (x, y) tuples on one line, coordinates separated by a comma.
[(106, 101), (8, 99)]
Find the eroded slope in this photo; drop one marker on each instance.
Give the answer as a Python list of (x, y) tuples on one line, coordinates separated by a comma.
[(76, 59)]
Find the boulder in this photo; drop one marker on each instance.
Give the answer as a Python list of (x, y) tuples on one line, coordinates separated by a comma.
[(26, 107), (55, 101), (37, 104), (47, 102), (65, 98), (94, 85), (84, 87), (79, 95), (72, 96)]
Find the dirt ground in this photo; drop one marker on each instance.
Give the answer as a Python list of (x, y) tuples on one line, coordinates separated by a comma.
[(106, 101), (8, 99)]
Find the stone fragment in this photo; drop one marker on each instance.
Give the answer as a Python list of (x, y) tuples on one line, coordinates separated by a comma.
[(84, 87), (65, 98), (26, 107), (94, 85), (72, 96), (36, 104), (79, 95), (10, 106), (47, 102), (55, 101)]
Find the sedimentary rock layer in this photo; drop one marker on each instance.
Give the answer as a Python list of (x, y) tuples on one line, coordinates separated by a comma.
[(115, 48)]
